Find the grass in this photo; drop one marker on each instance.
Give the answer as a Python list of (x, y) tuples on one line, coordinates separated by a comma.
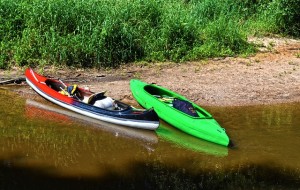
[(102, 33)]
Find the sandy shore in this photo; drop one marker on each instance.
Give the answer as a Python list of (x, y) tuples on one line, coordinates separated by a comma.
[(270, 76)]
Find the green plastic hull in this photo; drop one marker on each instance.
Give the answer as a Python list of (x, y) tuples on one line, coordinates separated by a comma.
[(204, 126)]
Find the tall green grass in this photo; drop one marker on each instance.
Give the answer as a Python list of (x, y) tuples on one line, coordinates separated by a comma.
[(104, 33), (278, 17)]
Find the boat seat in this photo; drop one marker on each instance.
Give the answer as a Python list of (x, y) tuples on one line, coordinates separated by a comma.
[(101, 101), (185, 106)]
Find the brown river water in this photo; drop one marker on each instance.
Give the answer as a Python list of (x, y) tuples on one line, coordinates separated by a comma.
[(43, 146)]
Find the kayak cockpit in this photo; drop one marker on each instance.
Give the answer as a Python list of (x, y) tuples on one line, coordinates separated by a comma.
[(177, 102), (153, 90)]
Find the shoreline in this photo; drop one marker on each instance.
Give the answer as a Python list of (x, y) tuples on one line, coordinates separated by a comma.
[(271, 76)]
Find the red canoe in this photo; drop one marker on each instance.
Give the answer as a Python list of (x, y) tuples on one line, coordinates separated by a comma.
[(118, 113)]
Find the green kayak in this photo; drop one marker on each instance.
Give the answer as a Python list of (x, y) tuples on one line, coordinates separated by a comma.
[(179, 112)]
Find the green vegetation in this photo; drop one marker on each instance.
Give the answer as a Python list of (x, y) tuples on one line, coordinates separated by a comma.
[(104, 33)]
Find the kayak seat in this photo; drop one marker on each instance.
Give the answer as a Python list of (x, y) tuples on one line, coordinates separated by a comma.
[(185, 107)]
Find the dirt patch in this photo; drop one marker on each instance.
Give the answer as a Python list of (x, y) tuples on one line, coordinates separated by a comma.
[(270, 76)]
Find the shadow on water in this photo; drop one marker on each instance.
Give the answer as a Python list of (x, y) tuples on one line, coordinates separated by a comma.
[(45, 147), (152, 176)]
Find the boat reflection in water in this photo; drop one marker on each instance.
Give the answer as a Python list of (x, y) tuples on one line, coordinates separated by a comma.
[(181, 139), (164, 131), (37, 109)]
